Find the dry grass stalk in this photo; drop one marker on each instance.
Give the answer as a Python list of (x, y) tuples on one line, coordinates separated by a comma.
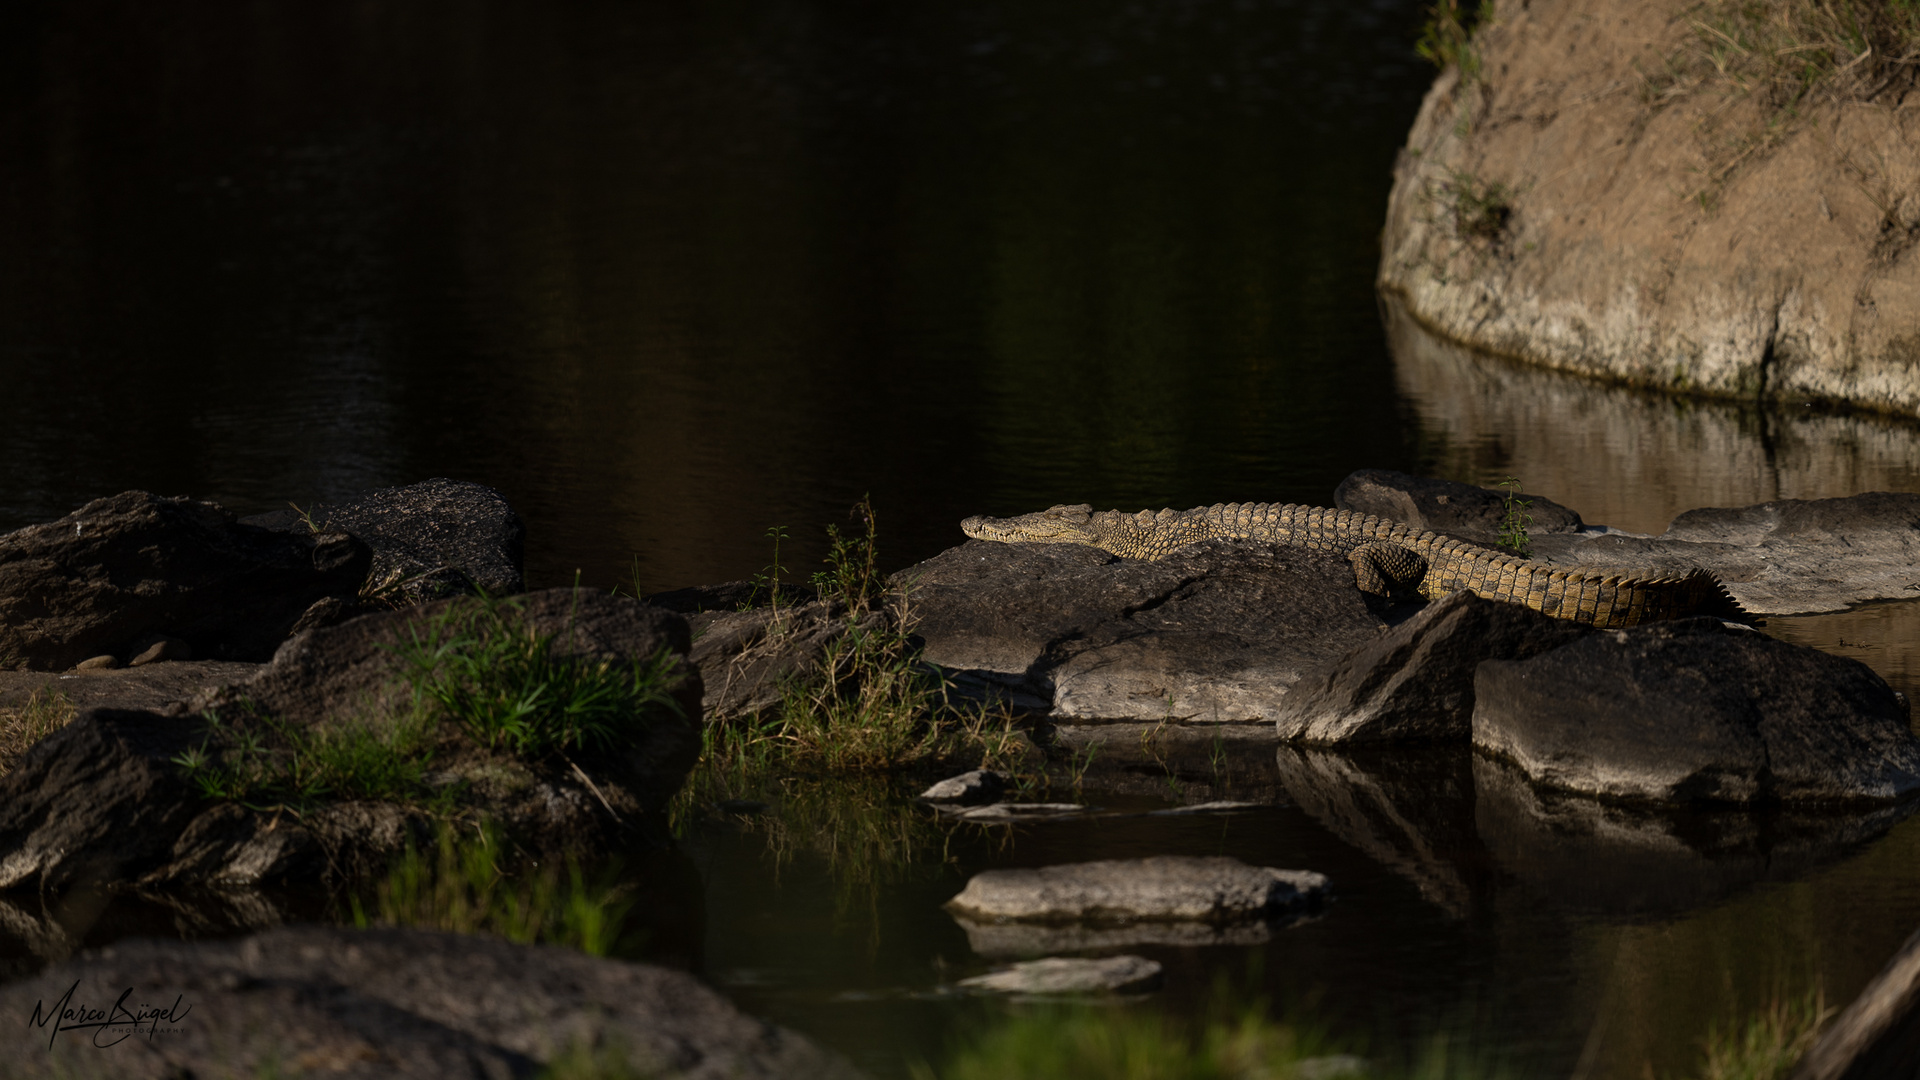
[(46, 711)]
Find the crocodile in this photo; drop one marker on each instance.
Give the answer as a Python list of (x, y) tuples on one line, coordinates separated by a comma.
[(1389, 558)]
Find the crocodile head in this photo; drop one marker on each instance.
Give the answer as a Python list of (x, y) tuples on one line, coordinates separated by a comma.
[(1145, 535), (1055, 525)]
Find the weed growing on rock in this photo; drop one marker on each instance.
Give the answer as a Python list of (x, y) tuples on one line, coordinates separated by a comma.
[(267, 762), (467, 885), (506, 687), (1447, 36), (45, 711), (1515, 520)]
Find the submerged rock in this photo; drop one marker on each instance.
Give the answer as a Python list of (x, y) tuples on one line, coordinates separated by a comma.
[(1215, 632), (114, 575), (1013, 940), (1414, 683), (967, 789), (1072, 975), (433, 539), (394, 1003), (1212, 889), (1695, 711)]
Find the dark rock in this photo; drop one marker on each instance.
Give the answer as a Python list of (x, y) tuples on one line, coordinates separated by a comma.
[(1215, 632), (152, 687), (997, 940), (134, 565), (1788, 557), (1411, 811), (746, 658), (98, 801), (395, 1004), (103, 801), (433, 539), (1072, 975), (1414, 683), (1693, 710), (1879, 1034), (163, 651), (1447, 506), (1211, 889), (967, 789), (1630, 860)]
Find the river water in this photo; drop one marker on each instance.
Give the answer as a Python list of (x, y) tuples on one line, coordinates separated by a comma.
[(672, 275)]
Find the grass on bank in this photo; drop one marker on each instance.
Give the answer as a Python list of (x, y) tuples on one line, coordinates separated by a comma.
[(477, 674), (45, 711)]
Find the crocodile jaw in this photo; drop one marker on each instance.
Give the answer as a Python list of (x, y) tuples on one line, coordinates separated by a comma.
[(1056, 525)]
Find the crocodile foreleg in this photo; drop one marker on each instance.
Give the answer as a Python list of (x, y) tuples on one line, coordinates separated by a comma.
[(1387, 569)]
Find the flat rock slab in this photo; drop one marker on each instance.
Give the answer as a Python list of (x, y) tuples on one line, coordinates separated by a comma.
[(967, 789), (120, 572), (1216, 632), (1414, 682), (1788, 557), (1073, 975), (1212, 889), (430, 540), (153, 686), (1695, 711), (392, 1004)]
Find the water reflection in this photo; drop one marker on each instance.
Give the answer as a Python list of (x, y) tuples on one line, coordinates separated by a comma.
[(1628, 459)]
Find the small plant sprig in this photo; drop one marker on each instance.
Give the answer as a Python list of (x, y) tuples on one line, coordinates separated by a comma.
[(1515, 520), (769, 578), (1447, 37)]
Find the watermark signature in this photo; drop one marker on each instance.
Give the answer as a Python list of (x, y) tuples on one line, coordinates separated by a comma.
[(111, 1025)]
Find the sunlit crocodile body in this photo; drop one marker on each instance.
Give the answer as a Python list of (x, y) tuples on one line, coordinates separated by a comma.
[(1387, 557)]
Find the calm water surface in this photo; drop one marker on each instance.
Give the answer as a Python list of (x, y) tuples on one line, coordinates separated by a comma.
[(670, 275)]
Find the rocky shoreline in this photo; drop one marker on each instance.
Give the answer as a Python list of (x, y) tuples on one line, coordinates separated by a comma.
[(1553, 729)]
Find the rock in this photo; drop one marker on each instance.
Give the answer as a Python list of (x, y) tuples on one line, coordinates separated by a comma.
[(152, 687), (1446, 506), (1213, 889), (103, 801), (1015, 813), (433, 539), (102, 662), (1879, 1034), (1216, 632), (746, 658), (729, 596), (1072, 975), (967, 789), (1636, 861), (161, 651), (1786, 557), (1681, 262), (123, 568), (1692, 710), (1414, 683), (98, 801), (1013, 940), (1218, 806), (394, 1003)]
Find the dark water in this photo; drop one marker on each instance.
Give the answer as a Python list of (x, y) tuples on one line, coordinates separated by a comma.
[(671, 274)]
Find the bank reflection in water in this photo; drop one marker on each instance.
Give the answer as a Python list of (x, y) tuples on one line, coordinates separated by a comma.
[(1678, 921), (1626, 458)]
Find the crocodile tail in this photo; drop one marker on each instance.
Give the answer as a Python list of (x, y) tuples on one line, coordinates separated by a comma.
[(1710, 597)]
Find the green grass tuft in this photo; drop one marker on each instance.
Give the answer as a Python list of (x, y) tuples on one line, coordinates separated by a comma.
[(45, 711)]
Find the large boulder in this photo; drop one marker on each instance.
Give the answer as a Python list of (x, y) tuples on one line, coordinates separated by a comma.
[(1215, 632), (433, 539), (105, 801), (120, 572), (1414, 683), (1696, 237), (1695, 710), (1448, 506), (389, 1004)]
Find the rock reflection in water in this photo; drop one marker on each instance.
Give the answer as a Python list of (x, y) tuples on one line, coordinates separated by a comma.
[(1584, 855), (1632, 459), (1408, 810), (1014, 941)]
